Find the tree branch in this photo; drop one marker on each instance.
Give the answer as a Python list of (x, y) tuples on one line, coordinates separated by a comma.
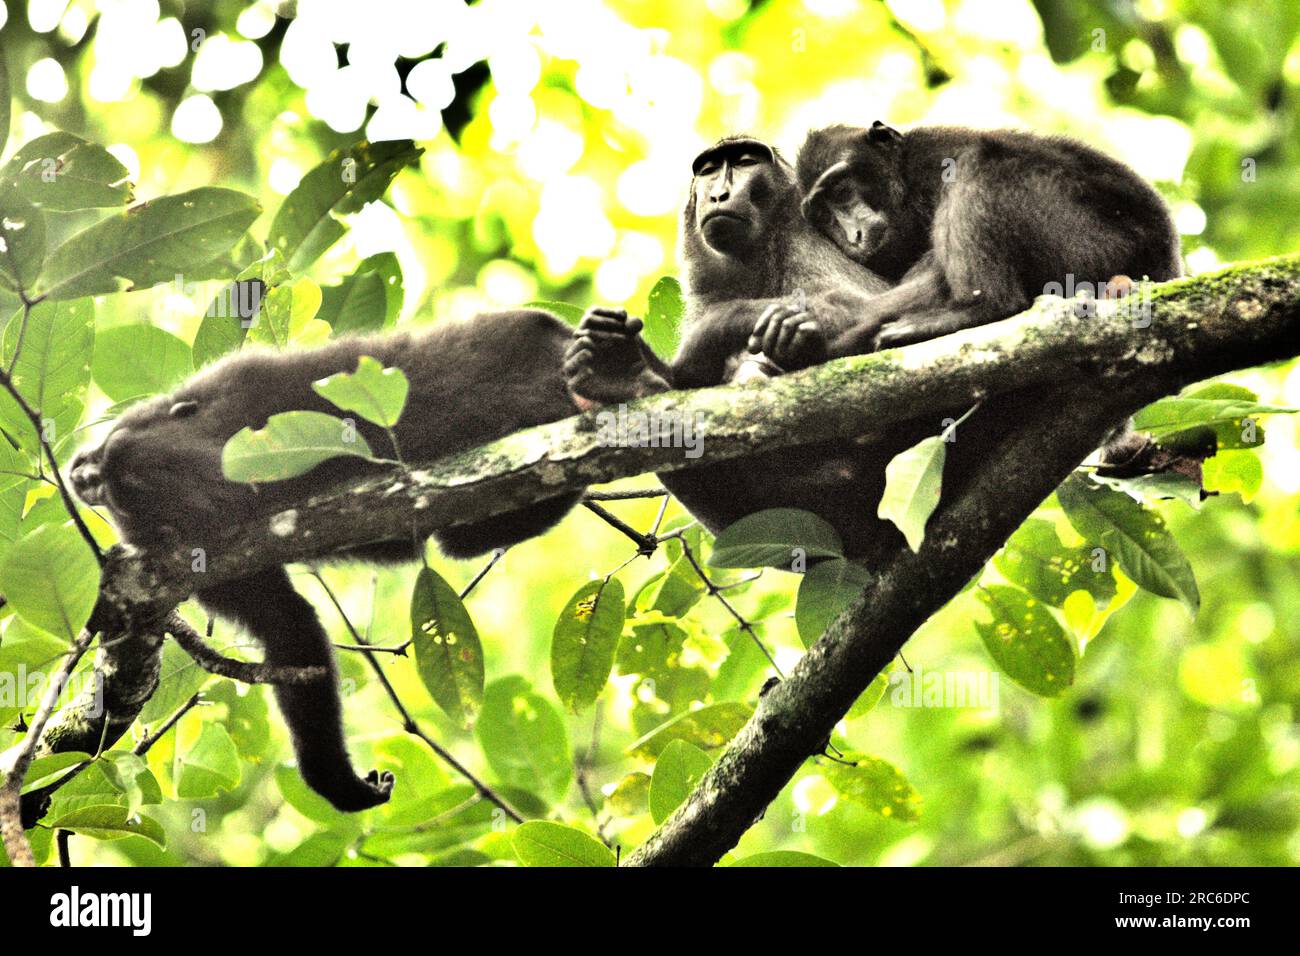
[(1130, 354)]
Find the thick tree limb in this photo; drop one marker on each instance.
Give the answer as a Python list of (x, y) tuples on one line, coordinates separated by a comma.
[(1111, 365)]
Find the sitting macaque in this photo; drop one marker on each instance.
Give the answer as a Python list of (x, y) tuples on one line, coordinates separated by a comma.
[(765, 293), (159, 475), (973, 225)]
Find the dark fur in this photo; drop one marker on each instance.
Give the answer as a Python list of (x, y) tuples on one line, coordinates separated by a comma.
[(1021, 211), (159, 475), (728, 290)]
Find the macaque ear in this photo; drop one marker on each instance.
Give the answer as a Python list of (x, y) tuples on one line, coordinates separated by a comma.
[(880, 133)]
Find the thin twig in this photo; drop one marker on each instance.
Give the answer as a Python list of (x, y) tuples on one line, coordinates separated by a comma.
[(716, 591), (408, 722), (645, 543), (69, 503), (497, 555), (625, 495), (248, 672), (149, 740), (398, 649)]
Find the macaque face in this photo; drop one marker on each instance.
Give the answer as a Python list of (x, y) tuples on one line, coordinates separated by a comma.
[(733, 187), (842, 207)]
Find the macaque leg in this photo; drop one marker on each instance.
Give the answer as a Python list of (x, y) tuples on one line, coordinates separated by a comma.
[(269, 608), (930, 325)]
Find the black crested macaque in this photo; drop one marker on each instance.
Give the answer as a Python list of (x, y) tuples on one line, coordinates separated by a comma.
[(974, 224), (159, 475), (759, 279)]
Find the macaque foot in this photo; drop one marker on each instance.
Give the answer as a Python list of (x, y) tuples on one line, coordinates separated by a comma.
[(605, 364), (894, 335), (372, 790), (789, 336)]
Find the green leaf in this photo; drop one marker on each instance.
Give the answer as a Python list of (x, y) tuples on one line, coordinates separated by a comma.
[(707, 728), (913, 480), (631, 796), (22, 240), (291, 444), (53, 368), (6, 103), (677, 591), (305, 225), (51, 578), (1218, 403), (569, 313), (64, 172), (827, 589), (1035, 559), (149, 243), (51, 768), (665, 310), (110, 822), (1135, 535), (139, 359), (448, 654), (368, 300), (288, 316), (679, 768), (128, 774), (1230, 472), (784, 858), (523, 737), (375, 393), (1026, 640), (584, 642), (210, 765), (229, 316), (543, 843), (875, 784), (774, 538), (1163, 486), (13, 493), (870, 697)]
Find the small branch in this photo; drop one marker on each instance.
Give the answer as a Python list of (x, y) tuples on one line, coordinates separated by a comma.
[(716, 591), (247, 672), (408, 722), (147, 742), (645, 543), (69, 503), (15, 761), (399, 649), (626, 495), (497, 555)]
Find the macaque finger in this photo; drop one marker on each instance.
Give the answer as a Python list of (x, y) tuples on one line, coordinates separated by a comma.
[(785, 340), (777, 333), (601, 323), (605, 337), (761, 326)]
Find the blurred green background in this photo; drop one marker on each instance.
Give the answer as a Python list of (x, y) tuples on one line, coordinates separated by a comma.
[(557, 141)]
